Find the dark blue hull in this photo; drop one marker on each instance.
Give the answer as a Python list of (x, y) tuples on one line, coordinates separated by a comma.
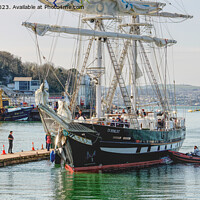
[(19, 114)]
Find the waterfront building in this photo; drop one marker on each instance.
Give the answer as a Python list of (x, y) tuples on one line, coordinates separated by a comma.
[(26, 84)]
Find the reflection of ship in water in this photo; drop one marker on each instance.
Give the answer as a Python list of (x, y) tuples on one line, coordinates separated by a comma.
[(148, 183), (12, 114)]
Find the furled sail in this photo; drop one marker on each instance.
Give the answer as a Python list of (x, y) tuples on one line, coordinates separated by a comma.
[(42, 29), (42, 95), (112, 7)]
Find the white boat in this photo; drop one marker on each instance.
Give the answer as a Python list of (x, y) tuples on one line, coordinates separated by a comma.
[(125, 32)]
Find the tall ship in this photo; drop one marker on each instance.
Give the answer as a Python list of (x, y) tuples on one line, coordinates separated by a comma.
[(118, 42)]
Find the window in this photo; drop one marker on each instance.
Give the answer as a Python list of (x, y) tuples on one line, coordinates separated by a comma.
[(35, 83), (24, 85)]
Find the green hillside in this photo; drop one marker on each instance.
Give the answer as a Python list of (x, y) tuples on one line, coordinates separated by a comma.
[(11, 66)]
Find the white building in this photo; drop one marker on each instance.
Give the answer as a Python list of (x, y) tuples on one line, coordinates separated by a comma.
[(26, 84)]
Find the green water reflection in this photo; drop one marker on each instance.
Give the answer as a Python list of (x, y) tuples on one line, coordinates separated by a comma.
[(162, 182)]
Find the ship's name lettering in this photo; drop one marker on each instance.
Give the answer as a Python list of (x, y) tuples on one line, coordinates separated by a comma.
[(113, 131)]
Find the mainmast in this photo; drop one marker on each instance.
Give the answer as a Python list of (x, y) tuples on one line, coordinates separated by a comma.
[(98, 85), (1, 99), (135, 28)]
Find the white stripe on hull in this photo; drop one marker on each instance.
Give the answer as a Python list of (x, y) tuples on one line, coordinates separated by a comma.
[(23, 119), (176, 145), (119, 150), (142, 150), (162, 147), (168, 146), (154, 148)]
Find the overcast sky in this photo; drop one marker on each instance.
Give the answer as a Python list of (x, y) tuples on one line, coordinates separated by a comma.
[(17, 40)]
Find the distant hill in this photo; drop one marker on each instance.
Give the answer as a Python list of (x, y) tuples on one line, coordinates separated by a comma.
[(11, 66), (187, 87), (185, 94)]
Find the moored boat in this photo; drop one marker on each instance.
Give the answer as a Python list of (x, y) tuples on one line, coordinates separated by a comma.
[(184, 158), (13, 114)]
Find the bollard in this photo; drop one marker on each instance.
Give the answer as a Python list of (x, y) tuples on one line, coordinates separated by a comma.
[(33, 149), (42, 148), (3, 152)]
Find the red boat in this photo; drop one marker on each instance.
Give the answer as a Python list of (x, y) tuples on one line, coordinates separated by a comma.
[(186, 158)]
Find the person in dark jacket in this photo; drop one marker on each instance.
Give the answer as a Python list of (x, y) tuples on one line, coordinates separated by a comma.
[(126, 124), (46, 139), (113, 123), (10, 139)]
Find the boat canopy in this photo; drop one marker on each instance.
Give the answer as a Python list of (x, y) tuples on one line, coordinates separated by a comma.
[(42, 29), (112, 7)]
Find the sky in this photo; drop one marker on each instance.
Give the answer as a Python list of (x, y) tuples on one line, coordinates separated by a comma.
[(17, 40)]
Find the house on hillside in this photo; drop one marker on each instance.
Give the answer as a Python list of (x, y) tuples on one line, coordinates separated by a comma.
[(26, 84)]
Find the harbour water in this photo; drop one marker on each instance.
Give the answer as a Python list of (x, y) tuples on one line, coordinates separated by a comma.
[(44, 181)]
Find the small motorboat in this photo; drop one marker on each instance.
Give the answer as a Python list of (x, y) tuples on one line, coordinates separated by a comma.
[(14, 114), (186, 158)]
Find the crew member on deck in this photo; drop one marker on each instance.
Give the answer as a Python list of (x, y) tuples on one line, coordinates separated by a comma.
[(160, 124), (126, 124), (118, 122), (113, 123), (143, 113), (80, 114), (122, 123), (119, 118)]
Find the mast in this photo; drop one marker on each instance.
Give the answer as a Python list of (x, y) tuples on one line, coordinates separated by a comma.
[(98, 85), (165, 86), (1, 99), (135, 28), (175, 97)]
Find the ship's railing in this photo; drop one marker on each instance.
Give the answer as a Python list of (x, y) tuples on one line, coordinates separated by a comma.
[(147, 123)]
